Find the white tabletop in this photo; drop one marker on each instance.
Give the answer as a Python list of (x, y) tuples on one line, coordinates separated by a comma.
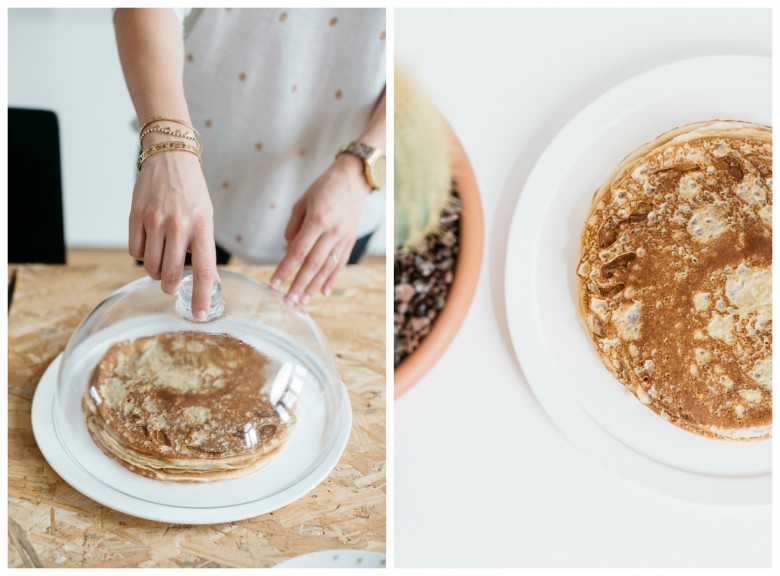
[(482, 475)]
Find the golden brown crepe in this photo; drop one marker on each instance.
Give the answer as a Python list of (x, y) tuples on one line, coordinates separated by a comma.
[(676, 274), (184, 407)]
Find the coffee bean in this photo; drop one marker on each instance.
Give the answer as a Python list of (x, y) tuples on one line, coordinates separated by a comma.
[(404, 292)]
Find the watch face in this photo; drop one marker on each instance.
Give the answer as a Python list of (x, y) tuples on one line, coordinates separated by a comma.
[(379, 170)]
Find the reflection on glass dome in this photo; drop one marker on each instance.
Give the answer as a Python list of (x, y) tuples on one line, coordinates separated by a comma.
[(286, 387)]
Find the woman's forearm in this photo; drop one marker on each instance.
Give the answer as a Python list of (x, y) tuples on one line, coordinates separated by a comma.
[(151, 50), (374, 132)]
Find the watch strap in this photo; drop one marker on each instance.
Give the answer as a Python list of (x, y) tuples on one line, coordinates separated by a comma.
[(358, 149), (370, 156)]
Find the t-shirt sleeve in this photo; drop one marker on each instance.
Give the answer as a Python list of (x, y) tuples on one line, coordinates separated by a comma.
[(181, 14)]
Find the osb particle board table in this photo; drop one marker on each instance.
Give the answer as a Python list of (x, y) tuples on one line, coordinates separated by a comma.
[(50, 524)]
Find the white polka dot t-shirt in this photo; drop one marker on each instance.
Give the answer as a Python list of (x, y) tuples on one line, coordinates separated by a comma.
[(274, 94)]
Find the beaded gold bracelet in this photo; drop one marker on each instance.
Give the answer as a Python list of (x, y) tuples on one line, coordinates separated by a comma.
[(174, 120), (165, 146), (167, 119), (176, 133)]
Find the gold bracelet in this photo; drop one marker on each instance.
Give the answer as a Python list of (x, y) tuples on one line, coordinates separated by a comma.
[(166, 119), (176, 133), (165, 146)]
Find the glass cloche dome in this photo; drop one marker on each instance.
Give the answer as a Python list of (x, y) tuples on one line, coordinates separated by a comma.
[(159, 406)]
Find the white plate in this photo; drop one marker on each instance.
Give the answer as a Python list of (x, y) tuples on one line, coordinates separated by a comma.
[(336, 559), (107, 493), (591, 408)]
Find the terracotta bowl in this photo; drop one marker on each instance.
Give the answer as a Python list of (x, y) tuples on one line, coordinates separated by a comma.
[(464, 282)]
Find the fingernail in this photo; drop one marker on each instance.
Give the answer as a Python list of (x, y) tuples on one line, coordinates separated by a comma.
[(327, 292), (200, 315), (305, 299), (294, 298), (275, 283)]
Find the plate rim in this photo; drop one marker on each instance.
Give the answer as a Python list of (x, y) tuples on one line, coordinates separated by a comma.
[(293, 561), (62, 463), (576, 424)]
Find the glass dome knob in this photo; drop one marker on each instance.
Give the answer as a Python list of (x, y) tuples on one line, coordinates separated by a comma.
[(184, 301)]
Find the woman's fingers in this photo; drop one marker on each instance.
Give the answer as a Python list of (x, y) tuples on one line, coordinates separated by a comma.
[(173, 261), (204, 272), (297, 252), (332, 263), (327, 288), (294, 224), (137, 236), (323, 255), (153, 248)]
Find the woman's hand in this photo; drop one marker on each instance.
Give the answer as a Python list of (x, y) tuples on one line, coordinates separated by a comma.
[(322, 229), (171, 215)]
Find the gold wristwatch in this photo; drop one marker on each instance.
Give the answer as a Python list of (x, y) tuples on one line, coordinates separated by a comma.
[(374, 161)]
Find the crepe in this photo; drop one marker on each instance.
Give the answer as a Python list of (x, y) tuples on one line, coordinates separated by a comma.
[(675, 277), (185, 407)]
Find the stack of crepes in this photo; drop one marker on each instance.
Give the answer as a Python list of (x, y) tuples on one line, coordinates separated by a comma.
[(676, 276), (185, 407)]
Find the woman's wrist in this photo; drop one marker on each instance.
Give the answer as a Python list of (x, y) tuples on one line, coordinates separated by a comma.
[(172, 160), (161, 134), (355, 170)]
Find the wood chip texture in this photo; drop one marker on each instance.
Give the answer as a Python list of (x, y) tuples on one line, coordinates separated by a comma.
[(50, 524)]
